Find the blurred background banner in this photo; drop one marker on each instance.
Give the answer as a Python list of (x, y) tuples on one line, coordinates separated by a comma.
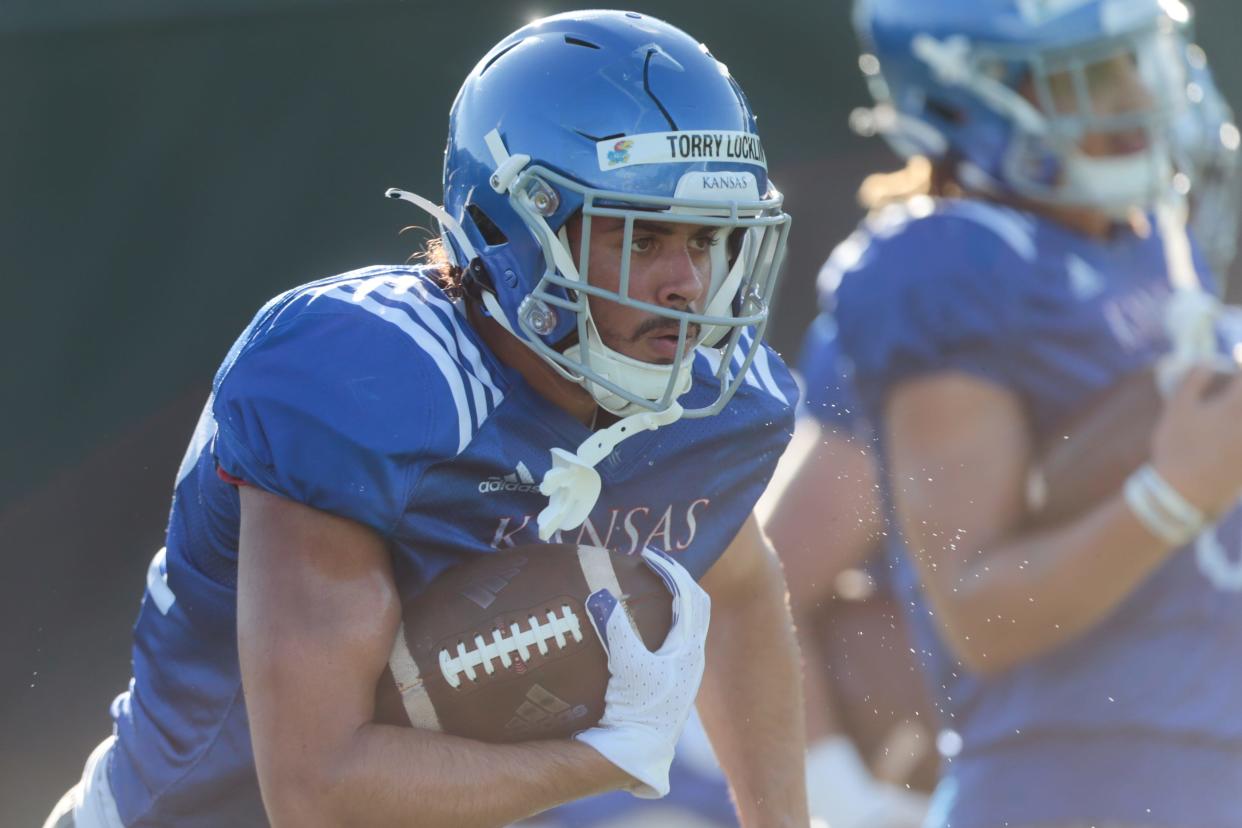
[(166, 167)]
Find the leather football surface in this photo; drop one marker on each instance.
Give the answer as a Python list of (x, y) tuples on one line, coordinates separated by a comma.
[(501, 648)]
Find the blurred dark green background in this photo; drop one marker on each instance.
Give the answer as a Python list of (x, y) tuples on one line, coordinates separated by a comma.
[(166, 166)]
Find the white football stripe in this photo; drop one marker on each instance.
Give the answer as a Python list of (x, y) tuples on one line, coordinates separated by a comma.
[(410, 685), (596, 563)]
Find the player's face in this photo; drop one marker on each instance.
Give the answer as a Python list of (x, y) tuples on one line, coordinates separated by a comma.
[(1114, 87), (670, 266)]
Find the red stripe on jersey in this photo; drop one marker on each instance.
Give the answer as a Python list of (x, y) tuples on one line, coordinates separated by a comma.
[(230, 479)]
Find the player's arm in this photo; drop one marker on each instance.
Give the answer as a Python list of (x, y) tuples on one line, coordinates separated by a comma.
[(959, 452), (751, 699), (317, 614), (822, 515)]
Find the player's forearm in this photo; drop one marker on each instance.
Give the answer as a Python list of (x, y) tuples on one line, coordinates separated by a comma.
[(751, 702), (1035, 592), (400, 776)]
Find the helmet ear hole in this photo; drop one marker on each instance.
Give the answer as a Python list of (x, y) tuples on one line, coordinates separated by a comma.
[(492, 234)]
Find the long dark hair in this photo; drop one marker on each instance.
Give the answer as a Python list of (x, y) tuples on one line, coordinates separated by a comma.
[(435, 257)]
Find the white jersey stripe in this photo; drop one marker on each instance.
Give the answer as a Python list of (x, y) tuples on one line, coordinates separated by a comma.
[(204, 431), (712, 357), (429, 344), (399, 293), (739, 357), (157, 583), (467, 347), (761, 366), (758, 376)]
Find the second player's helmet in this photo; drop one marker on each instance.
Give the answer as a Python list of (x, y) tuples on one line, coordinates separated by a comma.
[(1008, 89), (612, 114), (1205, 149)]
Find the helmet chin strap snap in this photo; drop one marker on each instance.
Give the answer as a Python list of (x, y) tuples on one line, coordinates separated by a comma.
[(573, 486)]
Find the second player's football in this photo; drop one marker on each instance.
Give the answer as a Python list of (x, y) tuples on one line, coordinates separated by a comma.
[(501, 649), (1090, 457)]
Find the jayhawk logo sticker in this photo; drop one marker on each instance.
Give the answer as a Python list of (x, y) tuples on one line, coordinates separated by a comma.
[(620, 152)]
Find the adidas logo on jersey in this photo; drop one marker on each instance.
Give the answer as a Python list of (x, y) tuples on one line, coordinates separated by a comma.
[(519, 480)]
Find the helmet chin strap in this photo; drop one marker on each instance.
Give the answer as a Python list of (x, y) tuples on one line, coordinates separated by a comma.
[(449, 226), (1113, 184), (645, 379)]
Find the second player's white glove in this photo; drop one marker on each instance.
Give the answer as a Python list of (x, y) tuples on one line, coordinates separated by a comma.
[(844, 794), (649, 695)]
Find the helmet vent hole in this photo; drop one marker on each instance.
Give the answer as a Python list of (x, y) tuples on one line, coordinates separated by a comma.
[(492, 234), (598, 138), (499, 55), (647, 88), (577, 41)]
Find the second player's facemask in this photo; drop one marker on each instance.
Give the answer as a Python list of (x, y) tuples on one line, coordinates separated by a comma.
[(1120, 93)]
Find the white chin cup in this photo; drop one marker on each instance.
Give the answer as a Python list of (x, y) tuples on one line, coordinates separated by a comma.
[(644, 379), (1114, 184), (726, 282)]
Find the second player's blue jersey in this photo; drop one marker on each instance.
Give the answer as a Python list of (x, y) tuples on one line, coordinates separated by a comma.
[(1138, 720), (369, 396), (827, 378)]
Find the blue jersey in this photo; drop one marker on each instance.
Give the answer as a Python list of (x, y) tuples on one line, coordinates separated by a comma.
[(369, 396), (1138, 720), (827, 376)]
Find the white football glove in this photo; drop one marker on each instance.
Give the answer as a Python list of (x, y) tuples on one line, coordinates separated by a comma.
[(844, 794), (650, 695)]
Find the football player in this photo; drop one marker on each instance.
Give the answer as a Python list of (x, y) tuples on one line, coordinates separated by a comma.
[(1027, 266), (589, 331)]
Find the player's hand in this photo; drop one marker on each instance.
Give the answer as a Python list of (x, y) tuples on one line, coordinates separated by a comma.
[(842, 793), (649, 695), (1197, 445)]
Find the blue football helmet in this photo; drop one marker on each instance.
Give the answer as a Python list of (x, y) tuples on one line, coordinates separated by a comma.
[(1007, 89), (617, 114), (1205, 149)]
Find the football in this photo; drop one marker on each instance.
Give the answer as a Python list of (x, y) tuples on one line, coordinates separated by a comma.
[(1089, 458), (882, 700), (501, 648)]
